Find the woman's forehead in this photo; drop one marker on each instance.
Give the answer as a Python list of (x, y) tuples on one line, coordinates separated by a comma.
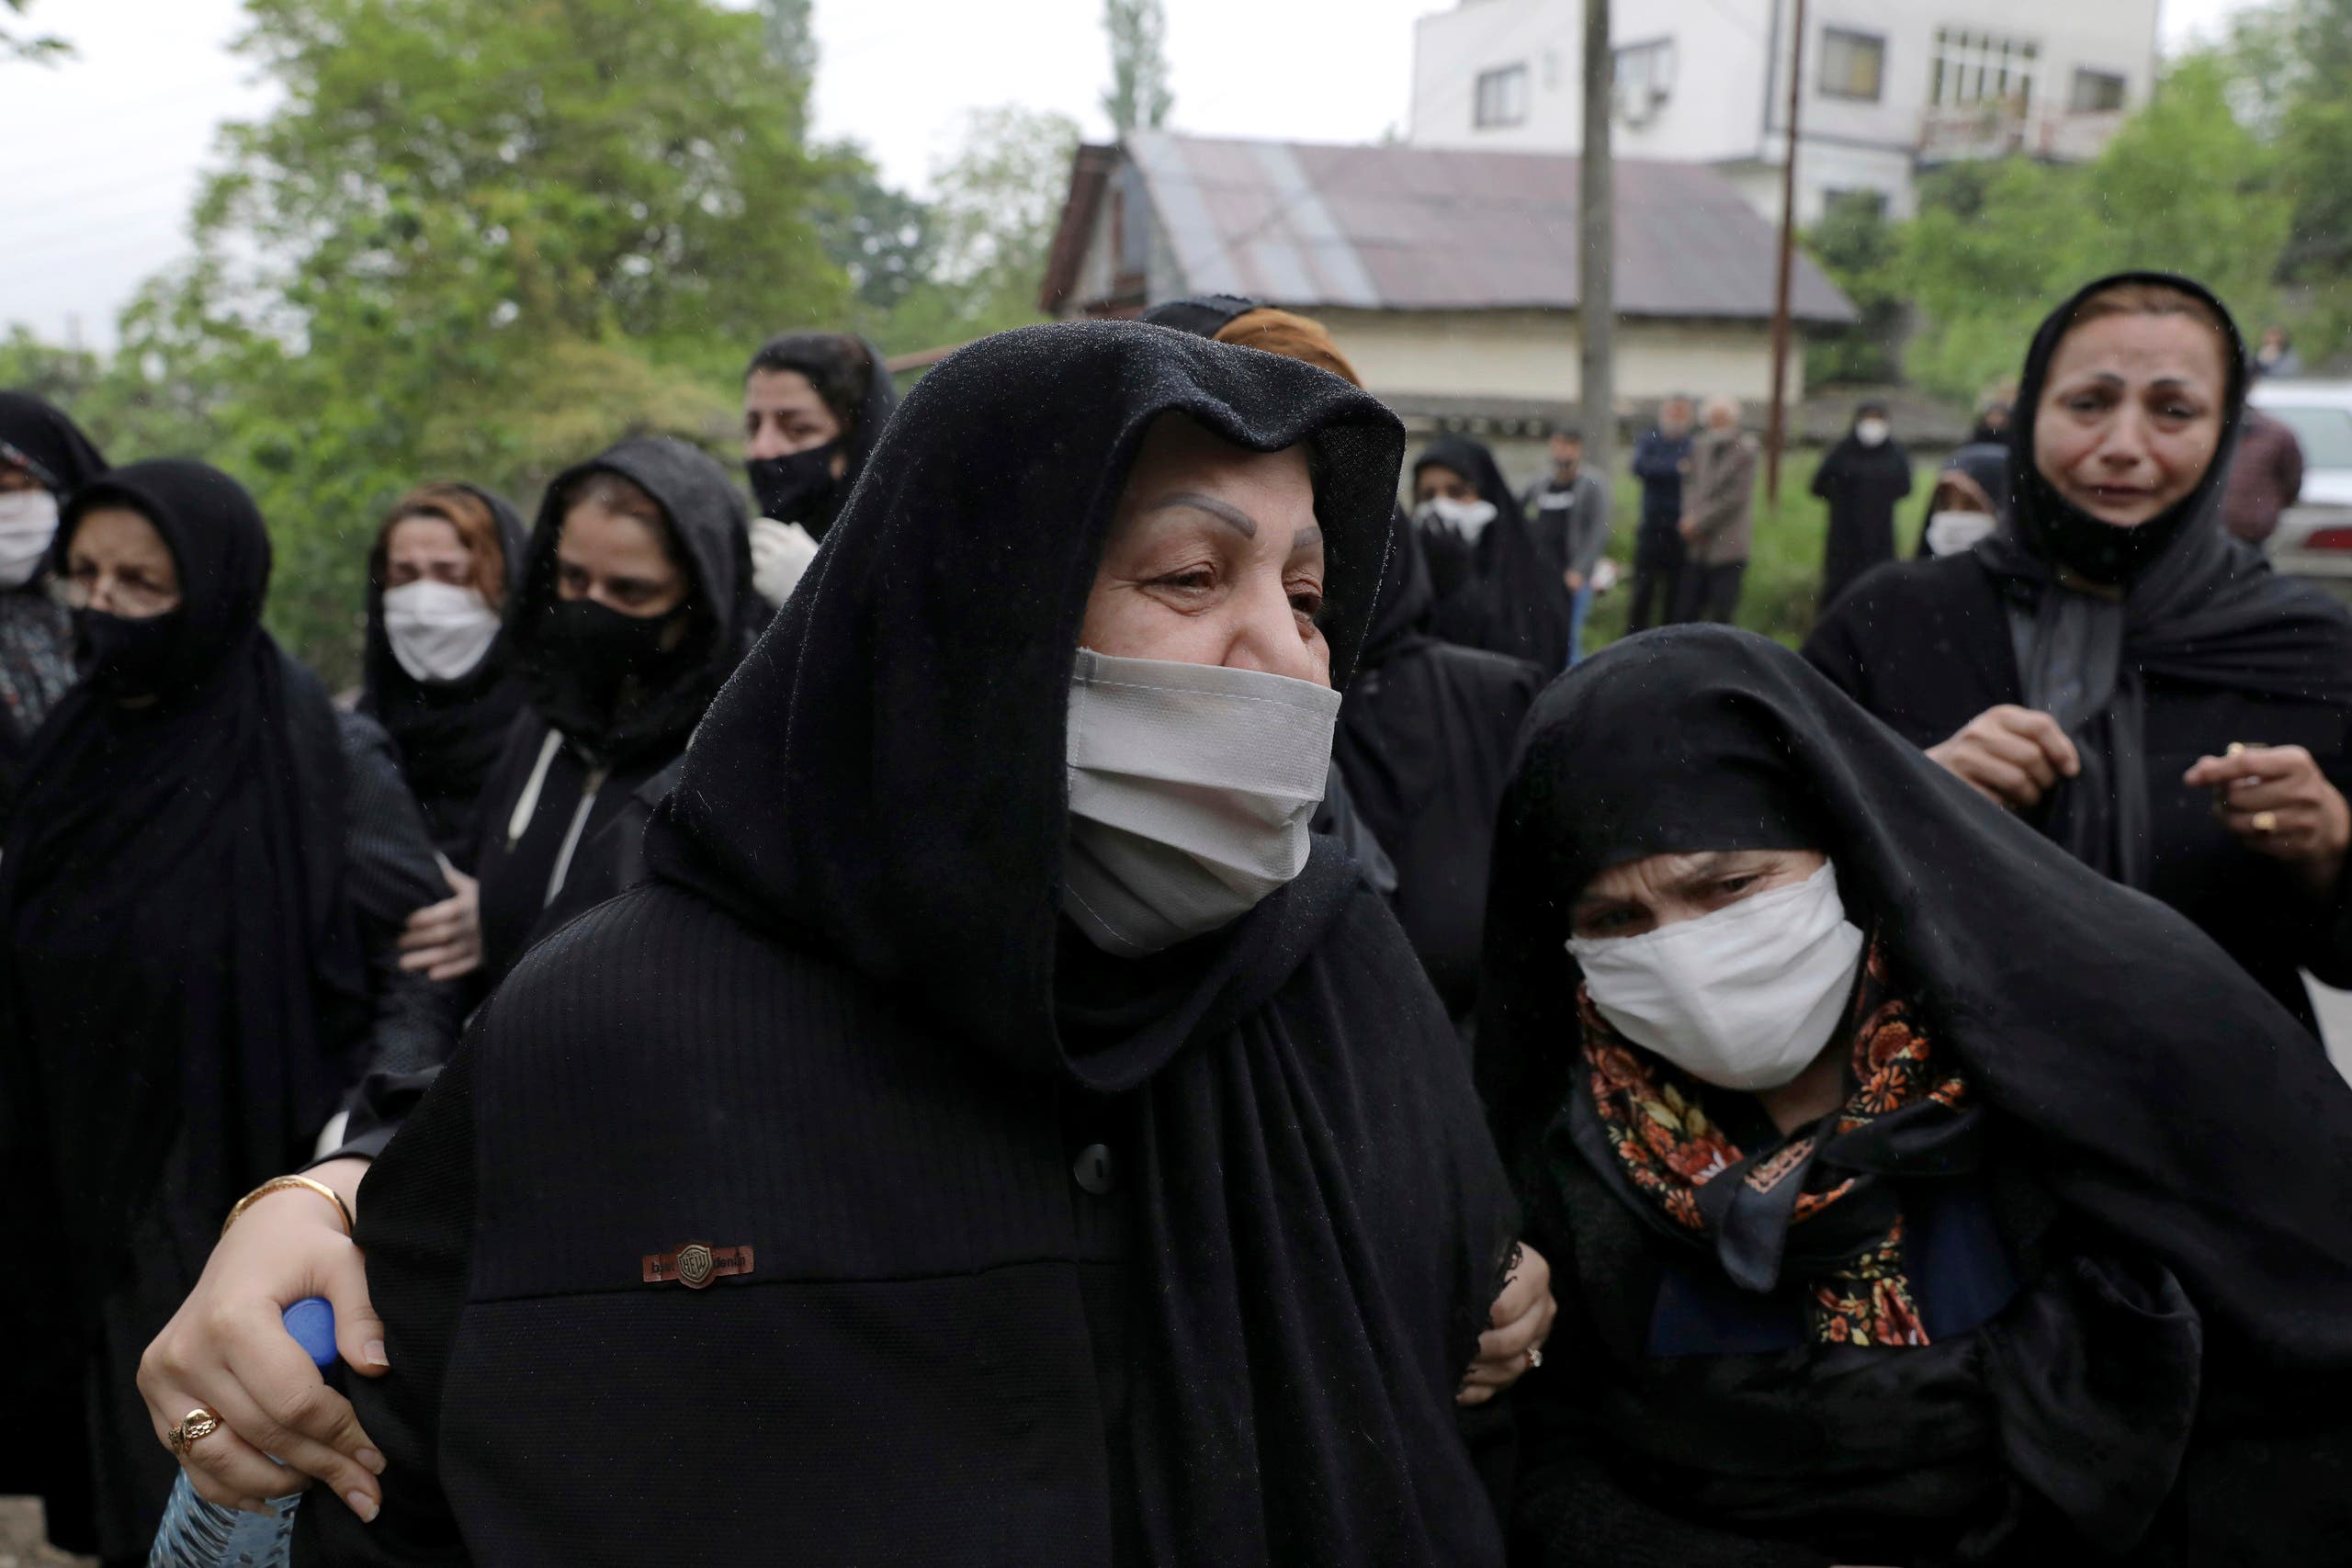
[(2139, 347)]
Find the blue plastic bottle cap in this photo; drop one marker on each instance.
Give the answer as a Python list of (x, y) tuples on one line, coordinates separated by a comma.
[(311, 1323)]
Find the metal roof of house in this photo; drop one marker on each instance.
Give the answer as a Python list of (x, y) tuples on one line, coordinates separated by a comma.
[(1431, 228)]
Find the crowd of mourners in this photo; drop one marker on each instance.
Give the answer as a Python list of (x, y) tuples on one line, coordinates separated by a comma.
[(1102, 982)]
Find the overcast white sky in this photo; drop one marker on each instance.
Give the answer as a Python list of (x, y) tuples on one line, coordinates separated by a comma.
[(121, 131)]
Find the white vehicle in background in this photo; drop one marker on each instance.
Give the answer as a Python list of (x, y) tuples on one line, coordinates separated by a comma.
[(2315, 537)]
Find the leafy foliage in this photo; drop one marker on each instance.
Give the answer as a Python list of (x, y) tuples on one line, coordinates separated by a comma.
[(480, 238), (42, 49), (1858, 247), (1139, 97)]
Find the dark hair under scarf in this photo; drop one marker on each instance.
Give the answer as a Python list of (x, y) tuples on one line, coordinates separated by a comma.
[(181, 957), (2197, 607), (1502, 593), (708, 535), (849, 375), (37, 433), (885, 781), (450, 733)]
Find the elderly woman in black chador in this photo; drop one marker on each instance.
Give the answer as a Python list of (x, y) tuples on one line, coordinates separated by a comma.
[(1915, 1195), (997, 1131), (202, 885), (2117, 668)]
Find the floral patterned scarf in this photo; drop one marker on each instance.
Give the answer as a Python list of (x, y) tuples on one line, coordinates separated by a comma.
[(1818, 1199)]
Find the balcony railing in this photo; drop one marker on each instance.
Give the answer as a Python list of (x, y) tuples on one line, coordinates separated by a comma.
[(2002, 130)]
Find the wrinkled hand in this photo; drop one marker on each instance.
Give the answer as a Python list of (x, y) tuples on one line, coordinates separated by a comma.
[(1522, 1321), (227, 1349), (445, 938), (2278, 803), (2012, 756)]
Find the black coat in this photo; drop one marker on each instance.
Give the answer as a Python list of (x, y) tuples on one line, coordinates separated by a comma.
[(1861, 485), (588, 763), (1057, 1259), (2158, 1365), (2202, 645)]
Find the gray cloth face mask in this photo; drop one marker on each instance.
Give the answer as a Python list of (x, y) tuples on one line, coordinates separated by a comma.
[(1191, 788)]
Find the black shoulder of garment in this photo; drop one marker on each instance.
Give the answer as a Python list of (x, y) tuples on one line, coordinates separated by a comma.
[(830, 1029)]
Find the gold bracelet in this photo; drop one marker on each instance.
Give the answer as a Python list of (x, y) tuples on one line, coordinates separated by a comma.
[(284, 1183)]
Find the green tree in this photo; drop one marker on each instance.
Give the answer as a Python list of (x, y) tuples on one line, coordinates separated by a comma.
[(2185, 185), (40, 47), (1139, 97), (993, 212), (2295, 63), (481, 237), (1859, 249)]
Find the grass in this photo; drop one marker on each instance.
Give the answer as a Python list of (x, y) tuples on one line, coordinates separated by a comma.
[(1785, 566)]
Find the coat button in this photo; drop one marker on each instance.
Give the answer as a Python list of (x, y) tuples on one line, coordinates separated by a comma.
[(1092, 1169)]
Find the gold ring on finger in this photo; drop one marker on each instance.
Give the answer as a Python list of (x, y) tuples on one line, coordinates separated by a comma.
[(1535, 1356), (2265, 821), (194, 1428)]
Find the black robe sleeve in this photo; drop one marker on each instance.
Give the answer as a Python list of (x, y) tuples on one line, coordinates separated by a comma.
[(417, 1230), (391, 871)]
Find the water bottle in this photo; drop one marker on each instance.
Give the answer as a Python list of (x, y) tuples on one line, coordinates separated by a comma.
[(197, 1534)]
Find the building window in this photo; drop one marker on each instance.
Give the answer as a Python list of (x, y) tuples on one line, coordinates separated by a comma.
[(1853, 66), (2098, 92), (1644, 78), (1972, 67), (1502, 97)]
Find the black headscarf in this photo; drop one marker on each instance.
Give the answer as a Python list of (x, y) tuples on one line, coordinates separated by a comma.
[(2095, 1041), (1203, 317), (179, 955), (1503, 593), (449, 732), (710, 533), (862, 428), (884, 781), (2197, 607), (1987, 465), (36, 433)]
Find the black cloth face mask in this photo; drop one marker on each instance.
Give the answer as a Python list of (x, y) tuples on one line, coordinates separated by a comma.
[(600, 647), (2105, 552), (791, 487), (125, 657)]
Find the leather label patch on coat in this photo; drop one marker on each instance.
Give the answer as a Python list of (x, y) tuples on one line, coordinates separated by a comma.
[(696, 1263)]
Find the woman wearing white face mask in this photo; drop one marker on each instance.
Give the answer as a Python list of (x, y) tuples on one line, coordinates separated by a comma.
[(1902, 1208), (44, 456), (1861, 477), (1969, 503), (1495, 587), (437, 674), (1071, 1157)]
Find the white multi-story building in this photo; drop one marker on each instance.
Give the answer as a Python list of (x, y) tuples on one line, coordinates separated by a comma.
[(1891, 87)]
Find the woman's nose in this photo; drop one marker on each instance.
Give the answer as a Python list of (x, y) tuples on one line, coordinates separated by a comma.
[(1268, 640)]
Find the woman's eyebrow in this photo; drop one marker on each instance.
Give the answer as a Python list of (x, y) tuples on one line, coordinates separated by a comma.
[(1224, 511), (1310, 534)]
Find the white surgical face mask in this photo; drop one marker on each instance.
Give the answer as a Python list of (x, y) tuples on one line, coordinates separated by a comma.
[(1191, 787), (1743, 999), (1871, 433), (438, 632), (1950, 533), (1468, 518), (28, 524)]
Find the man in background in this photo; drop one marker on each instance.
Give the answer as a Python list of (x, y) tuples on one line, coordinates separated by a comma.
[(1569, 512), (1718, 515), (1660, 459)]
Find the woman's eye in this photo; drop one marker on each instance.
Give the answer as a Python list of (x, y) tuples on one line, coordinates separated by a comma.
[(1308, 602), (1192, 580), (1737, 884)]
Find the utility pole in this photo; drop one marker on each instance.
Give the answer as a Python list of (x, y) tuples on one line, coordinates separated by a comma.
[(1776, 433), (1597, 262)]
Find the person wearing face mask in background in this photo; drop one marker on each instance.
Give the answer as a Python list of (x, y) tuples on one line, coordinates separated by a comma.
[(44, 458), (1905, 1207), (814, 405), (1861, 477), (1496, 586), (1970, 501), (2120, 671), (202, 885)]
